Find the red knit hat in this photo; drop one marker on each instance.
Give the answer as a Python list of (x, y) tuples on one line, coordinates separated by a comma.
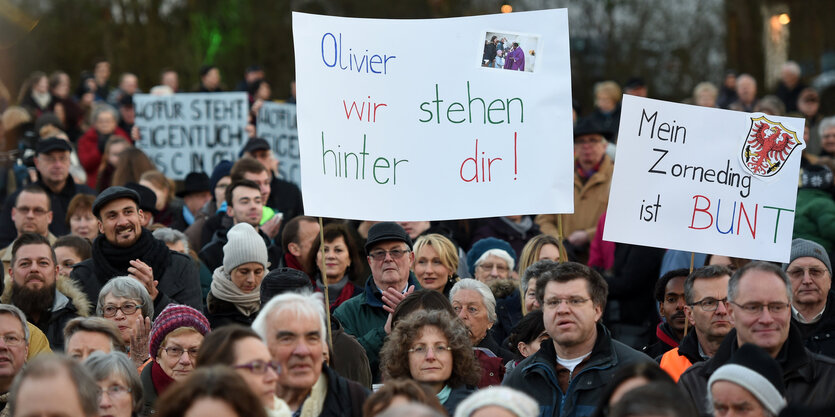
[(172, 318)]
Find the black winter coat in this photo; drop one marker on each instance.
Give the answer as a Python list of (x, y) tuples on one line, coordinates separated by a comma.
[(179, 284), (808, 377), (820, 337)]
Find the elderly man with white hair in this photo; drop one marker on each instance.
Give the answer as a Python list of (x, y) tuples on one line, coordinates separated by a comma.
[(475, 305), (293, 327)]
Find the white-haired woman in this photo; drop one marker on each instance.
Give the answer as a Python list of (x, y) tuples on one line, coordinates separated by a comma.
[(475, 305), (119, 385), (126, 302)]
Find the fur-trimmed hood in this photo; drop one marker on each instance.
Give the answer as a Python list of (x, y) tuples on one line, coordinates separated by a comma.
[(65, 286), (501, 288)]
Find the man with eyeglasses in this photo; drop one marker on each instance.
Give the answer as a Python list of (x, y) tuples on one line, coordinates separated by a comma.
[(14, 349), (32, 213), (592, 177), (367, 316), (759, 304), (810, 272), (52, 162), (49, 303), (567, 377), (706, 310)]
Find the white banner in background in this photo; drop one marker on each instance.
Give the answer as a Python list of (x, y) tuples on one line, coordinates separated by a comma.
[(189, 132)]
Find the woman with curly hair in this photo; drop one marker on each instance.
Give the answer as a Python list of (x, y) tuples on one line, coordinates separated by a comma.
[(433, 348)]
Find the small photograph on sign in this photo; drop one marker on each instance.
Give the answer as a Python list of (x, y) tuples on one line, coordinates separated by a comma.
[(510, 51)]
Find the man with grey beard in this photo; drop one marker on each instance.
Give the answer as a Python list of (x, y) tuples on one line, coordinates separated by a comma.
[(49, 303)]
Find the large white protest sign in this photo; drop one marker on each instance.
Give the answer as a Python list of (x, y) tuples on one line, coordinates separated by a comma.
[(189, 132), (411, 120), (705, 180), (277, 125)]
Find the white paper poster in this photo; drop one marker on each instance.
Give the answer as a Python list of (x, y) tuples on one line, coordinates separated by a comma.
[(189, 132), (277, 125), (408, 120), (705, 180)]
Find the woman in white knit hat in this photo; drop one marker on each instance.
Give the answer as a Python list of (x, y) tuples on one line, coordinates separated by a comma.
[(236, 285)]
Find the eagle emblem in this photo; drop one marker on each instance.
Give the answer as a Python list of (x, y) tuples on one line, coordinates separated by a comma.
[(767, 147)]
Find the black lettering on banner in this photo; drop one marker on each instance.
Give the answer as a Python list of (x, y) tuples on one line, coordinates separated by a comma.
[(664, 153)]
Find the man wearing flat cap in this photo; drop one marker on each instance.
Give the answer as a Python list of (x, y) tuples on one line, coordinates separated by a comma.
[(592, 177), (124, 247), (52, 161), (365, 316), (810, 273)]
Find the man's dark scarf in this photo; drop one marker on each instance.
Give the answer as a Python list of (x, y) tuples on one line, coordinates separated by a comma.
[(113, 261)]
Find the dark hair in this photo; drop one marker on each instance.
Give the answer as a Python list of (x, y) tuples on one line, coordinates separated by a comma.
[(215, 382), (80, 202), (31, 239), (661, 284), (526, 330), (34, 189), (80, 245), (333, 231), (569, 271), (291, 231), (395, 352), (660, 399), (421, 300), (705, 272), (206, 68), (409, 388), (218, 347), (534, 272), (240, 183), (132, 164), (246, 165), (647, 370)]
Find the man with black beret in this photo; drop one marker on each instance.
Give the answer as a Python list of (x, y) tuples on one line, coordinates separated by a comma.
[(124, 247), (196, 192), (593, 171), (52, 161), (368, 315)]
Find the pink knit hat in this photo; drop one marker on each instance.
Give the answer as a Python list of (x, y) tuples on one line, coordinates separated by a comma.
[(172, 318)]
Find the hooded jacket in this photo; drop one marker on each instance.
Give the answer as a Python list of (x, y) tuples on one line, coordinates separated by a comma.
[(808, 377), (70, 302)]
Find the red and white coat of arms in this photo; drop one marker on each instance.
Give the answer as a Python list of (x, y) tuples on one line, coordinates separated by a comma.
[(767, 147)]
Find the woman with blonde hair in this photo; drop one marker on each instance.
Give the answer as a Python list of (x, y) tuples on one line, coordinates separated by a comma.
[(436, 263)]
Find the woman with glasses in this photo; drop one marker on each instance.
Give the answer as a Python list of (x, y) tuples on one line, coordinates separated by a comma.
[(119, 384), (241, 349), (175, 339), (126, 302), (433, 348)]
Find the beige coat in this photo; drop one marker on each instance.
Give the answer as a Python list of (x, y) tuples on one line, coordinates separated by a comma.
[(590, 201)]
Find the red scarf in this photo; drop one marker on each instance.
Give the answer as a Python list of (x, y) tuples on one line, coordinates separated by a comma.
[(160, 379), (290, 261)]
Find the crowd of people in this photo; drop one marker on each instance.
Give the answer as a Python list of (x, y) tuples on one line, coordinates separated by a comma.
[(129, 294)]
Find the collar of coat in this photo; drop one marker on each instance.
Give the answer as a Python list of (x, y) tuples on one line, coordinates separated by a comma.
[(68, 291), (793, 356)]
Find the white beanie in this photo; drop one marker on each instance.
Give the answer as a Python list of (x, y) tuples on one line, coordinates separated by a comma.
[(243, 245), (755, 371), (517, 402)]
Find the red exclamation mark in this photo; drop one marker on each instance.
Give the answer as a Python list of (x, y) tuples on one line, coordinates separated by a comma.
[(515, 160)]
